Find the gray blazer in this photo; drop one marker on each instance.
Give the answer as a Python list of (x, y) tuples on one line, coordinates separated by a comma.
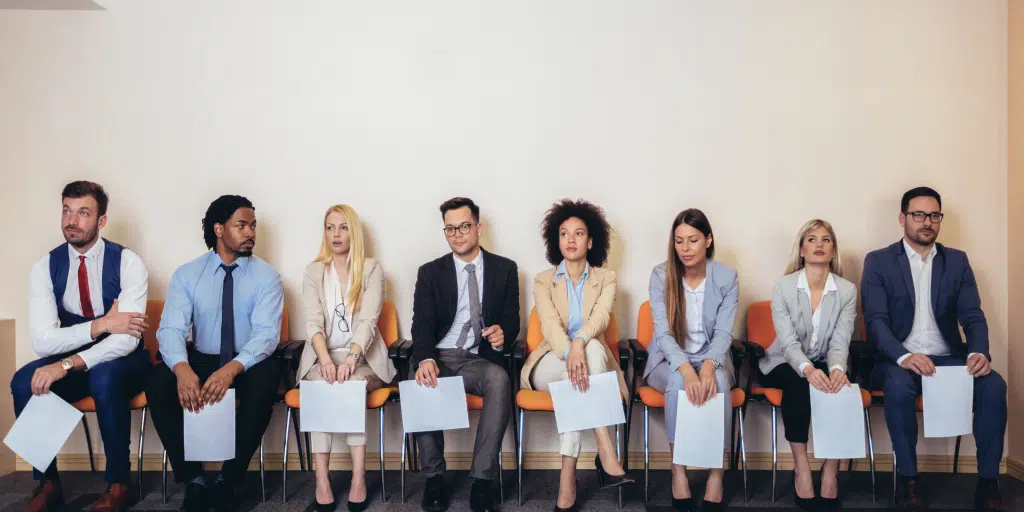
[(721, 297), (791, 315)]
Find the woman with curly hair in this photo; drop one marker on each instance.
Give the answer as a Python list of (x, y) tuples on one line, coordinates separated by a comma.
[(574, 302)]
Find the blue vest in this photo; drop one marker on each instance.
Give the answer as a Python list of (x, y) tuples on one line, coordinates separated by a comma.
[(60, 263)]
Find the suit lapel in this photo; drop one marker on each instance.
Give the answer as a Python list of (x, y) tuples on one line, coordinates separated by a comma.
[(451, 291), (591, 290), (805, 312), (488, 291), (325, 302), (938, 268), (711, 301), (904, 264), (828, 302), (561, 298)]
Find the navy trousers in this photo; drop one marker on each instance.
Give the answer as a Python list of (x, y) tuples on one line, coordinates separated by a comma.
[(902, 387), (112, 385)]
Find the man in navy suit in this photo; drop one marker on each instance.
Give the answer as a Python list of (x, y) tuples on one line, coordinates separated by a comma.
[(915, 293)]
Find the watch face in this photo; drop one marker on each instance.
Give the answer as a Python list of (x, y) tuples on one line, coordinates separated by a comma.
[(67, 364)]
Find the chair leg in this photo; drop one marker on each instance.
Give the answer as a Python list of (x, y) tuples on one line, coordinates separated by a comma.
[(775, 450), (956, 457), (871, 452), (284, 457), (263, 483), (519, 458), (383, 492), (88, 444), (163, 478), (618, 454), (894, 477), (309, 452), (405, 443), (294, 413), (733, 442), (647, 453), (501, 478), (743, 452), (142, 446), (515, 439)]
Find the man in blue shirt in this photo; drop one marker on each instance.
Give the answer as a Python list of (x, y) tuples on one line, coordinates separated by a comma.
[(231, 302)]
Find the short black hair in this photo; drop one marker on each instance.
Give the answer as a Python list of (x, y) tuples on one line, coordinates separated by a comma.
[(458, 202), (220, 210), (78, 189), (918, 192), (597, 227)]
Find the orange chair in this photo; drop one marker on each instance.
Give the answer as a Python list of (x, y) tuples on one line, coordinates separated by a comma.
[(387, 323), (540, 401), (651, 397), (154, 308), (760, 336)]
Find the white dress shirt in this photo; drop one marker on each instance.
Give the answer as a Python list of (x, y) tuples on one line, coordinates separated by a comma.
[(696, 338), (49, 338), (830, 287), (462, 315), (336, 297)]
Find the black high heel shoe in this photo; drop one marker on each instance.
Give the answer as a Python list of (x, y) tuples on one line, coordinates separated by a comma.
[(572, 508), (324, 507), (802, 503), (683, 504), (358, 507), (607, 481)]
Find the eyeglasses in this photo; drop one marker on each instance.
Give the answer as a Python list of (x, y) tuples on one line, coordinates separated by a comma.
[(935, 217), (463, 228), (340, 311)]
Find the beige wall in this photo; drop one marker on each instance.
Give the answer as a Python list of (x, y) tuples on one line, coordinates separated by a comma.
[(762, 114), (1015, 263)]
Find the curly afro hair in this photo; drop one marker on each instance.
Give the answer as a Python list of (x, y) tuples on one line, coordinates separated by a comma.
[(591, 215)]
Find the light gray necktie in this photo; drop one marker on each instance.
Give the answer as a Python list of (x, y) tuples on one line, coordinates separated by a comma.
[(474, 310)]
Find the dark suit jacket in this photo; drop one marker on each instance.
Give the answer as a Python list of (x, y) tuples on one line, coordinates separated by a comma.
[(888, 298), (436, 299)]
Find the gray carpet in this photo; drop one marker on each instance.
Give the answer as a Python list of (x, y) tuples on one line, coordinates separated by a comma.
[(539, 491)]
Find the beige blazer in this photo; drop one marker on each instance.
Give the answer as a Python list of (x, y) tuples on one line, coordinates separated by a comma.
[(552, 303), (364, 322)]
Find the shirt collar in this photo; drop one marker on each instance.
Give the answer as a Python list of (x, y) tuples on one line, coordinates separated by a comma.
[(802, 284), (912, 254), (242, 261), (478, 262), (563, 272), (92, 253)]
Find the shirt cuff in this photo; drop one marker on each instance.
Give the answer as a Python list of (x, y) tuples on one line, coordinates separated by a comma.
[(565, 354), (976, 354), (803, 365), (245, 360), (899, 362), (837, 367), (431, 359), (84, 331)]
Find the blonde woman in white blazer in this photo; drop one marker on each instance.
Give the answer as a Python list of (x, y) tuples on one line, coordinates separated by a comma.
[(813, 310), (342, 296)]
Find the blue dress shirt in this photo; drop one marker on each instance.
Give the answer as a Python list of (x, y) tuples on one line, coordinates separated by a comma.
[(574, 295)]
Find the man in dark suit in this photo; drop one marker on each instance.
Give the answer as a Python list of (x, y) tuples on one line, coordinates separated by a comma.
[(915, 293), (465, 315)]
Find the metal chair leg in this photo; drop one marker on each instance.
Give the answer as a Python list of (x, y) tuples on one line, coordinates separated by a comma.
[(163, 478), (519, 458), (618, 454), (894, 476), (142, 450), (501, 479), (647, 453), (743, 452), (956, 457), (88, 444), (294, 413), (383, 492), (309, 452), (871, 452), (775, 450), (515, 439), (405, 443), (733, 442), (284, 457), (263, 484)]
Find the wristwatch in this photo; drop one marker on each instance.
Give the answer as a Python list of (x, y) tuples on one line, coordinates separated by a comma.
[(67, 365), (718, 364), (355, 356)]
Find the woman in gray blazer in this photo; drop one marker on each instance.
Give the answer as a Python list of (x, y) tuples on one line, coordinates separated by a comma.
[(813, 309), (693, 301), (342, 296)]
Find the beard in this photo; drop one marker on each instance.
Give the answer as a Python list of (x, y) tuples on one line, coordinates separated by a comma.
[(922, 236), (244, 250), (87, 237)]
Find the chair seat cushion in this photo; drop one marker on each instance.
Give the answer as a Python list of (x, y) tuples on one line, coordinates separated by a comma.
[(87, 404), (773, 395), (374, 399), (653, 398), (532, 400), (474, 402)]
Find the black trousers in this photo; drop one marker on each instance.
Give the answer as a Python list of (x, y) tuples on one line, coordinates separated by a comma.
[(256, 391), (796, 399)]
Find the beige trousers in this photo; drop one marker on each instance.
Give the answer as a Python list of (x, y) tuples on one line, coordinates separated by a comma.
[(322, 441), (552, 369)]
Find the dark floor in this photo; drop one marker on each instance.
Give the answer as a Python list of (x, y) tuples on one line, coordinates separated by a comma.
[(539, 491)]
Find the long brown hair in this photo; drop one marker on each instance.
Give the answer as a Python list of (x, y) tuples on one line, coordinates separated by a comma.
[(675, 295)]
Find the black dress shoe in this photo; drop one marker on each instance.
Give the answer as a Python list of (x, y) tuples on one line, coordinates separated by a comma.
[(481, 496), (986, 496), (828, 503), (572, 508), (358, 506), (909, 498), (195, 498), (607, 481), (683, 504), (324, 507), (435, 498), (222, 497), (712, 505), (803, 503)]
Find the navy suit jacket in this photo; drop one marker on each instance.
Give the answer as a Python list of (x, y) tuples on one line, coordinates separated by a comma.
[(888, 298)]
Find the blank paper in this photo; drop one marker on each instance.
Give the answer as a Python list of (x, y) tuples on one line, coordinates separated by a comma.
[(40, 431), (700, 432), (210, 433), (948, 402), (338, 407), (426, 409), (599, 406), (837, 423)]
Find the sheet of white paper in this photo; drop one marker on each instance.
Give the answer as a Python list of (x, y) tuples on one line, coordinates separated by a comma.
[(700, 433), (948, 402), (837, 421), (332, 407), (599, 406), (427, 409), (44, 425), (210, 433)]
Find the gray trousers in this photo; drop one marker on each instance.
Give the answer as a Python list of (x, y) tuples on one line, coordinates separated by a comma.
[(483, 378)]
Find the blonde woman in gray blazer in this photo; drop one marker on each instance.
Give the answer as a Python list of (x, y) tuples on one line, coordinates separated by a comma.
[(813, 309), (342, 296)]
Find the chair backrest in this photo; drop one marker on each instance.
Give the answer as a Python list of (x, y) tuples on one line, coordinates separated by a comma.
[(645, 325), (534, 335), (387, 323), (154, 310), (760, 328), (284, 325)]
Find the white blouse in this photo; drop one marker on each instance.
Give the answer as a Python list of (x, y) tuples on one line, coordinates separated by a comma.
[(341, 325)]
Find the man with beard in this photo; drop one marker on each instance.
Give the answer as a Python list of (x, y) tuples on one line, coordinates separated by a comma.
[(231, 302), (87, 303), (915, 293)]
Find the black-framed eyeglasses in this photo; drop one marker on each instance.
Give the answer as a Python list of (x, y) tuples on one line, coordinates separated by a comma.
[(463, 228), (340, 311), (936, 217)]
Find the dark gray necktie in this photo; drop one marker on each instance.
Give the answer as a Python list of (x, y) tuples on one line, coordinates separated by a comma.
[(474, 310), (227, 316)]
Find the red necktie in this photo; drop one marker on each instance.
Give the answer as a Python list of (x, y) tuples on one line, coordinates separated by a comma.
[(83, 288)]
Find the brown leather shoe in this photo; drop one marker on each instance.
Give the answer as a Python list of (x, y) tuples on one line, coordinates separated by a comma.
[(47, 496), (987, 497), (911, 500), (117, 499)]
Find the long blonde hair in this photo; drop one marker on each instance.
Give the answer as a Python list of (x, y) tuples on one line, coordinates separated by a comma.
[(356, 255), (796, 262)]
